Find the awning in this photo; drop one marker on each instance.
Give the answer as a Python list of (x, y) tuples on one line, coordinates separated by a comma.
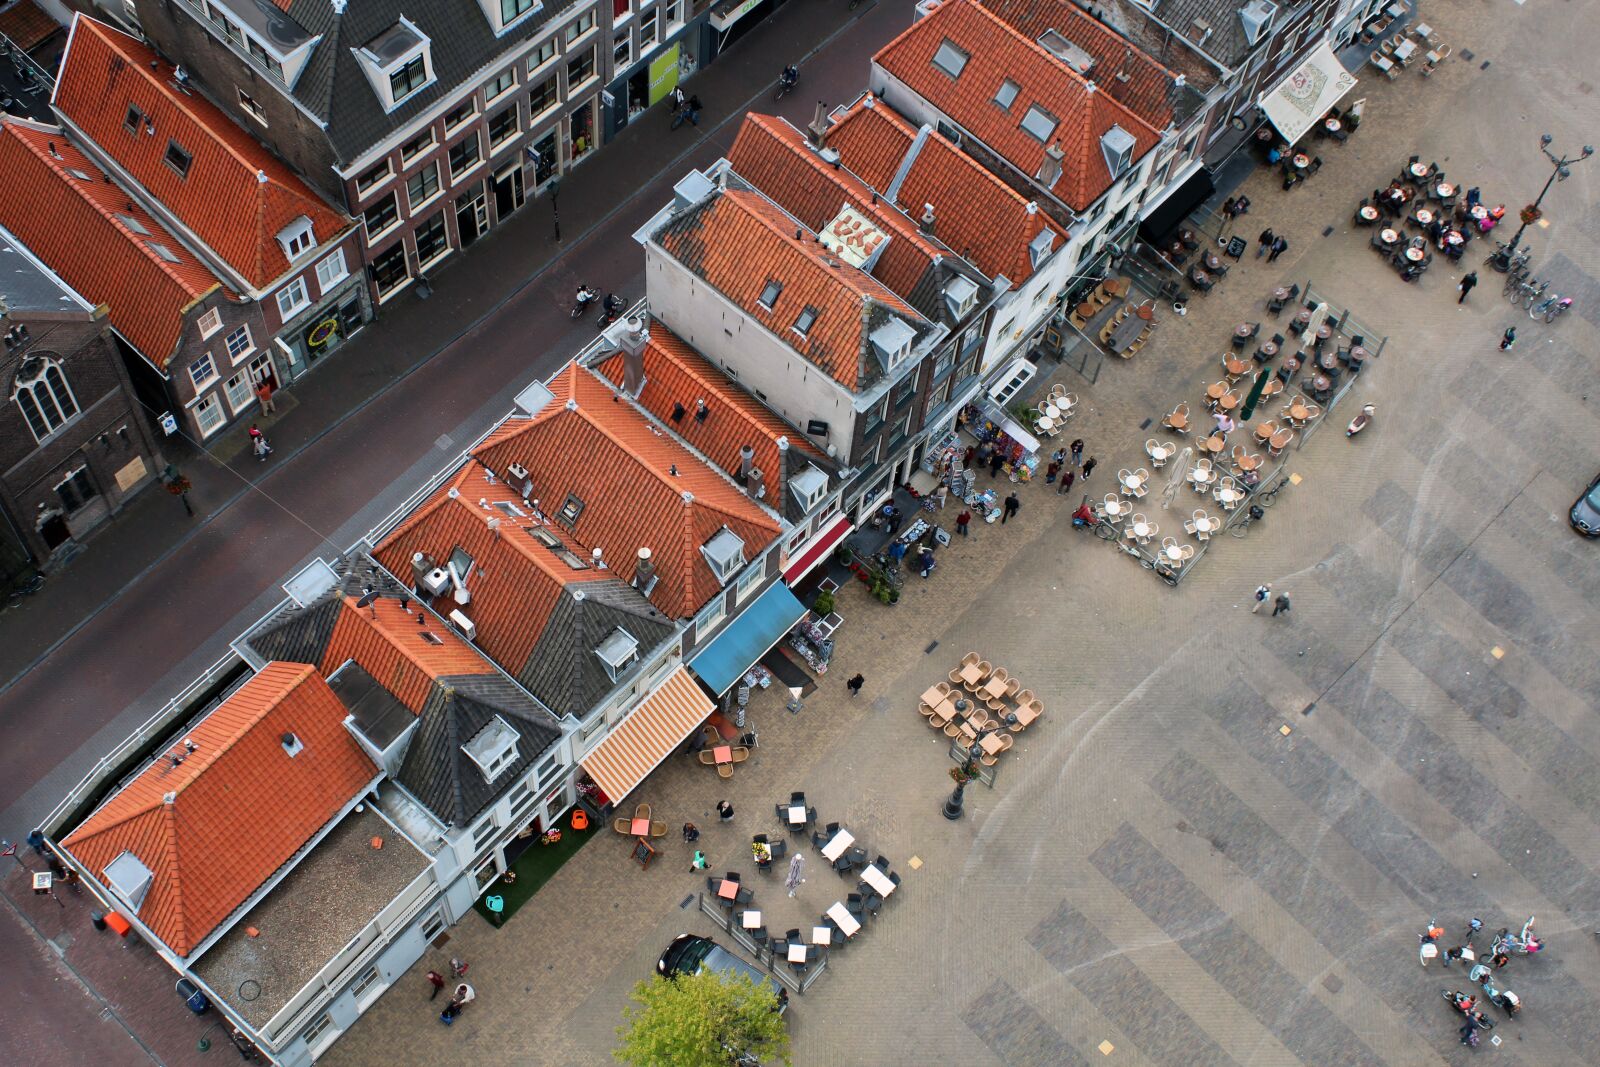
[(747, 638), (648, 735), (1299, 101), (994, 414), (728, 12), (820, 545), (1163, 217)]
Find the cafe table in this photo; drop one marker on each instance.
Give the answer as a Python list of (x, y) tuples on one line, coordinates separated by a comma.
[(1415, 255), (1269, 349), (1424, 216), (1127, 331), (1086, 311), (878, 880), (722, 753), (1159, 453), (1331, 125), (1265, 430), (1213, 444), (1173, 552), (1479, 211), (1132, 481), (1243, 329), (1227, 496), (970, 674), (1304, 316), (946, 707), (1046, 422), (1321, 382), (797, 952), (1418, 170), (1327, 360), (835, 848), (1444, 190), (1324, 331), (1358, 353), (847, 922), (822, 935), (932, 695), (750, 920), (797, 814), (1369, 213), (1202, 475), (1280, 293), (1228, 401), (1116, 506), (1301, 160), (1178, 420), (1281, 439), (1453, 238), (639, 827), (1117, 286), (1211, 261), (1215, 390), (1140, 530), (1205, 524), (727, 890), (1299, 412), (994, 688), (1388, 236), (990, 744), (1234, 365)]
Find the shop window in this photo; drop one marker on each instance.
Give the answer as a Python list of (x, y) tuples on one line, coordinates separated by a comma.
[(390, 271), (381, 217), (42, 394), (545, 159), (208, 415), (582, 131), (432, 240), (464, 156), (422, 187)]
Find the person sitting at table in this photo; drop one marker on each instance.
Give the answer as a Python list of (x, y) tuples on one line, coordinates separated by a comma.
[(1250, 479), (1474, 197), (1273, 156)]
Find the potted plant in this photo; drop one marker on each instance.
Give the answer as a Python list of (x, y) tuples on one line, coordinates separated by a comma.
[(823, 605), (1530, 215), (959, 775)]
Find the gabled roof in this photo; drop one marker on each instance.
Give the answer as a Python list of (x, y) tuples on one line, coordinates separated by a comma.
[(677, 378), (1211, 26), (996, 53), (214, 828), (634, 486), (386, 640), (775, 157), (87, 231), (996, 238), (1121, 67), (236, 196), (740, 243)]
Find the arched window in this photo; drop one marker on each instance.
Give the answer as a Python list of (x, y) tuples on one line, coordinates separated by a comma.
[(42, 394)]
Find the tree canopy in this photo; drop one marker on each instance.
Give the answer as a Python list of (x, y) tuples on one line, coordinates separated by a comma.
[(700, 1019)]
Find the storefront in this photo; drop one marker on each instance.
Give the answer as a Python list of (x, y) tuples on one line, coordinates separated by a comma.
[(1301, 100), (640, 87), (742, 643), (649, 734), (307, 342)]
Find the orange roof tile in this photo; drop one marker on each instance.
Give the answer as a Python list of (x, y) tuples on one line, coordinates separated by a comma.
[(240, 806), (27, 25), (997, 53), (388, 644), (1121, 67), (720, 239), (517, 580), (236, 197), (676, 374), (89, 232), (638, 488), (873, 141), (775, 157)]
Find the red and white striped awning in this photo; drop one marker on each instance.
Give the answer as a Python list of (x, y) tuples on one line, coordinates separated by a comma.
[(648, 735)]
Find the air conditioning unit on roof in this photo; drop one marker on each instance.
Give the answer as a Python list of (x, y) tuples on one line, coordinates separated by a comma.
[(436, 581)]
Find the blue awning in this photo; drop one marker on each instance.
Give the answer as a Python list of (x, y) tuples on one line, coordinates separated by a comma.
[(760, 626)]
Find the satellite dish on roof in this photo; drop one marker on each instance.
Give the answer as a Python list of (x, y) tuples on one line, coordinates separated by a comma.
[(367, 601)]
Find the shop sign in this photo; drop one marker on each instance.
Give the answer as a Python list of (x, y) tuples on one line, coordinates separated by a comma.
[(663, 74), (721, 20)]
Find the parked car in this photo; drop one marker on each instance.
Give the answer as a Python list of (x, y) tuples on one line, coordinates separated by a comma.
[(1585, 513), (691, 954)]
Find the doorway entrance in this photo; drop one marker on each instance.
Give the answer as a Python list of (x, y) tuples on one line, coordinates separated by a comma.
[(508, 192), (472, 214)]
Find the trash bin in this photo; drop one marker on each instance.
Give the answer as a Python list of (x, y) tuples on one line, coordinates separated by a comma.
[(192, 996)]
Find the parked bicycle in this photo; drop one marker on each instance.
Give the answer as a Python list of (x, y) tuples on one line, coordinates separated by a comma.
[(1550, 308), (1527, 292)]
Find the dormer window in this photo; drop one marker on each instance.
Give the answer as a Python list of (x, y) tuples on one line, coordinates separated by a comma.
[(950, 59), (724, 553), (1040, 247), (959, 296), (1117, 144), (129, 879), (1039, 124), (891, 342), (809, 487), (769, 294), (493, 748), (1257, 19), (297, 238), (571, 508), (398, 62), (178, 159), (619, 649), (508, 12)]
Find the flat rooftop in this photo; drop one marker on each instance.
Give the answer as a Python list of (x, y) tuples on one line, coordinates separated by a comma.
[(310, 916)]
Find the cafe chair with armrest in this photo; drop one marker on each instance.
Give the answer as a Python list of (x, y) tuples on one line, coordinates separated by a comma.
[(724, 770), (819, 839), (622, 826), (744, 896), (832, 828), (870, 899), (842, 864), (853, 904), (797, 798), (759, 935), (780, 849), (711, 885)]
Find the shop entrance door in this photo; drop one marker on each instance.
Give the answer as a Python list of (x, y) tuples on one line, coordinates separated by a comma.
[(472, 215), (508, 193)]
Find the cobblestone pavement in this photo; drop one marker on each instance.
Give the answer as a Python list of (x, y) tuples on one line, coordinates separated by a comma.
[(1163, 874)]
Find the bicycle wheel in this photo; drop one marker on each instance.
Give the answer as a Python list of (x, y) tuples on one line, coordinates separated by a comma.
[(1105, 531), (1552, 312), (1238, 529)]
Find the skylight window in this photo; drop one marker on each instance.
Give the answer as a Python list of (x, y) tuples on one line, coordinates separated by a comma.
[(178, 159), (1039, 123), (1007, 94), (807, 319), (769, 294), (950, 59), (510, 510), (570, 510), (132, 223), (163, 251), (553, 543)]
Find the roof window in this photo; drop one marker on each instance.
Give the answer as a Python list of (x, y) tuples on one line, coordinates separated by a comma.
[(553, 543), (1007, 94), (1040, 246), (809, 487), (398, 62), (178, 159), (163, 251), (1039, 123), (571, 508), (960, 294), (892, 342), (493, 748), (1117, 144), (132, 223), (129, 878), (769, 294), (1257, 19), (619, 649), (807, 319), (724, 552), (950, 59), (297, 238)]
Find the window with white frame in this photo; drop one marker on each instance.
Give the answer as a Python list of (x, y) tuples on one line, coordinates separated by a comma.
[(240, 391), (548, 768), (483, 833), (416, 146), (616, 651), (374, 178), (493, 748), (422, 186), (674, 15), (41, 392), (208, 415), (433, 242), (580, 26), (331, 271), (749, 581), (399, 60), (709, 617), (724, 553), (297, 238), (544, 52), (622, 50), (502, 84), (251, 106), (315, 1031), (512, 10), (390, 270), (465, 155), (457, 117), (239, 343), (580, 68), (381, 217), (210, 322), (292, 298), (649, 24), (203, 371)]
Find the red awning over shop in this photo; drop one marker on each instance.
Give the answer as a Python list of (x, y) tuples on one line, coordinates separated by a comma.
[(819, 548)]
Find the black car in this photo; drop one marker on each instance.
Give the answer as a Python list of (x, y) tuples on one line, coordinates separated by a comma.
[(691, 954), (1585, 513)]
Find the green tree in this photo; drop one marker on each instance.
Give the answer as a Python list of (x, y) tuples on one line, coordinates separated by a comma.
[(700, 1019)]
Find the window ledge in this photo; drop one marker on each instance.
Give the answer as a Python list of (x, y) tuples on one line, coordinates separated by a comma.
[(456, 179), (396, 291), (373, 238)]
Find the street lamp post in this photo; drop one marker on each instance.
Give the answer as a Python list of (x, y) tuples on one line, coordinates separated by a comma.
[(555, 208), (952, 805), (1560, 170)]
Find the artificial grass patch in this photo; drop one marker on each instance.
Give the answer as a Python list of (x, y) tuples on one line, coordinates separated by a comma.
[(533, 868)]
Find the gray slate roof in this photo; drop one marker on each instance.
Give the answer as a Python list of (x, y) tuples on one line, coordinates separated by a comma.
[(1227, 43), (335, 88), (563, 670), (26, 285)]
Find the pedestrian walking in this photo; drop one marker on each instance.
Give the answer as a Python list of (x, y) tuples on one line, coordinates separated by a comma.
[(1088, 466), (258, 444), (855, 684), (725, 810), (797, 874), (678, 100), (464, 995), (962, 520), (698, 863), (1051, 471), (1508, 339), (1077, 452), (436, 980), (691, 833), (1012, 506), (1264, 242), (264, 394), (688, 111), (1279, 246), (1466, 286), (1262, 592), (996, 461), (1066, 483), (943, 493), (1280, 605), (1228, 215)]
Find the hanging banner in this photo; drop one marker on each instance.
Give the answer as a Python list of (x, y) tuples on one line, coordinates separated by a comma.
[(663, 74)]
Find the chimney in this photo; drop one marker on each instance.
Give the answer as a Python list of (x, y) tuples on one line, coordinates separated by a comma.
[(819, 126), (700, 410), (925, 224), (1050, 166), (644, 572), (747, 460), (754, 484), (783, 461), (599, 561), (421, 565)]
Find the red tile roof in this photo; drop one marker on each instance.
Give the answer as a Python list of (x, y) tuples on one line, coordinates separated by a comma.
[(677, 374), (775, 157), (638, 488), (81, 228), (1121, 67), (516, 581), (738, 241), (240, 807), (996, 53), (27, 25), (386, 641), (236, 197), (873, 142)]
